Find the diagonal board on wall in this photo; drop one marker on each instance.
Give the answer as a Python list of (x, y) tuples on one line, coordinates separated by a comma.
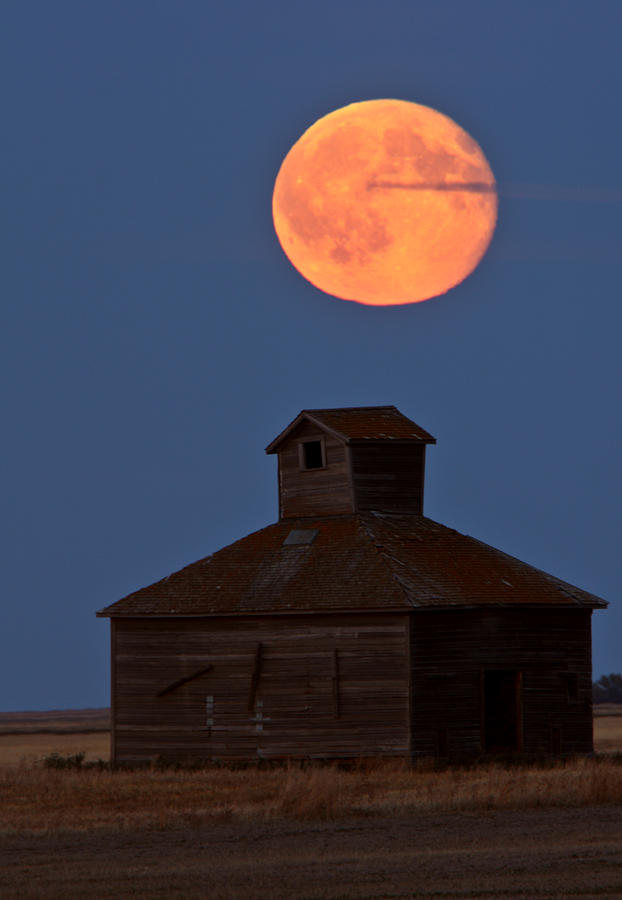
[(180, 681)]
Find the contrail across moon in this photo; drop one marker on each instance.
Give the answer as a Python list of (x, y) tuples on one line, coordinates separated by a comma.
[(472, 187), (512, 191)]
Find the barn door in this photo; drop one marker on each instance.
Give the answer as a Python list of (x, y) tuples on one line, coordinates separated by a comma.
[(502, 710)]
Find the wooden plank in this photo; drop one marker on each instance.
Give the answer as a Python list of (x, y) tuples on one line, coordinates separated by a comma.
[(335, 683), (113, 691), (180, 681), (518, 687), (252, 692), (482, 709)]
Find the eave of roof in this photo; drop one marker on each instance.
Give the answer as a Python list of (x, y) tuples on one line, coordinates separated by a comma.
[(363, 563)]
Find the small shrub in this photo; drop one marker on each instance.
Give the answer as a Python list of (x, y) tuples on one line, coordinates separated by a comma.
[(100, 765), (58, 761)]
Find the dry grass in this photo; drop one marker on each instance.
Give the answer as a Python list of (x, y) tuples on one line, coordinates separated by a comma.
[(27, 737), (32, 747), (55, 721), (607, 709), (28, 746), (608, 734), (35, 800)]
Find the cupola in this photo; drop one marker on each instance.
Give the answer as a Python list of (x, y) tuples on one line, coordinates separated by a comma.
[(335, 462)]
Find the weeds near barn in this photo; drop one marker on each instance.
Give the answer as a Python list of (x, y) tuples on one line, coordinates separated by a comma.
[(38, 799)]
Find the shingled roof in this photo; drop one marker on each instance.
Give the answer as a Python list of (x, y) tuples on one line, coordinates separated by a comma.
[(359, 423), (371, 562)]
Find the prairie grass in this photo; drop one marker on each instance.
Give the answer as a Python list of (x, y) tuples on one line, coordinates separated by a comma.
[(608, 733), (35, 800), (39, 800), (30, 747), (55, 721)]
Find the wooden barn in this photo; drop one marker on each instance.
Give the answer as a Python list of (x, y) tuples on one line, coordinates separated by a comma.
[(354, 626)]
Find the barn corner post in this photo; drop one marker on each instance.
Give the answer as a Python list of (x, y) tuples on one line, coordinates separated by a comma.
[(589, 698), (410, 754), (113, 691)]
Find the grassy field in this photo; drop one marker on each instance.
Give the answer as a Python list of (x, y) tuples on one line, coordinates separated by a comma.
[(28, 737), (55, 721), (36, 800), (608, 734), (377, 831)]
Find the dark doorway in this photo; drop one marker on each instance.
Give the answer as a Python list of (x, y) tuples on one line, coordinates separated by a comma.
[(502, 711)]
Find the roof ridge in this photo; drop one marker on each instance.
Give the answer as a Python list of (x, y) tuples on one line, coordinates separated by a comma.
[(384, 556), (562, 585), (576, 594), (350, 408), (202, 560)]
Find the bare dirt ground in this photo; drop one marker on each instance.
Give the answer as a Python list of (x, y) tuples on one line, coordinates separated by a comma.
[(544, 853)]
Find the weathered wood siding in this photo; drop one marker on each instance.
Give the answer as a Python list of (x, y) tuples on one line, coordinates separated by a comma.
[(278, 687), (304, 492), (388, 477), (452, 649)]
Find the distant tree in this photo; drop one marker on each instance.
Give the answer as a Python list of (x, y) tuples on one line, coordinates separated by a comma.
[(608, 689)]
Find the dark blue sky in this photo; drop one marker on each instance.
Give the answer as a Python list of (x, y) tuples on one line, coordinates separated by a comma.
[(155, 338)]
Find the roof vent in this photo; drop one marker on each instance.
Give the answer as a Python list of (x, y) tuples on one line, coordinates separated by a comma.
[(301, 536)]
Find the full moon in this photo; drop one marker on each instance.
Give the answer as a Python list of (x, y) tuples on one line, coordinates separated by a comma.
[(385, 202)]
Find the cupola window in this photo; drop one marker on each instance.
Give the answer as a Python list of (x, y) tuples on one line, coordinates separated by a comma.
[(312, 455)]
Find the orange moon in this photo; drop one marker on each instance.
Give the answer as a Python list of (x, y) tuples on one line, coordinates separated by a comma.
[(385, 202)]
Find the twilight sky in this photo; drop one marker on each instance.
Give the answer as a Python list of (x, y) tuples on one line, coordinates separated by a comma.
[(155, 338)]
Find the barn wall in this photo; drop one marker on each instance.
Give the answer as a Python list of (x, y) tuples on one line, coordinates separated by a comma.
[(452, 649), (388, 477), (317, 686), (305, 492)]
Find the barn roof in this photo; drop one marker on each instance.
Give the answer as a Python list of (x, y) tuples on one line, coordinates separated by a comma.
[(358, 423), (371, 562)]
